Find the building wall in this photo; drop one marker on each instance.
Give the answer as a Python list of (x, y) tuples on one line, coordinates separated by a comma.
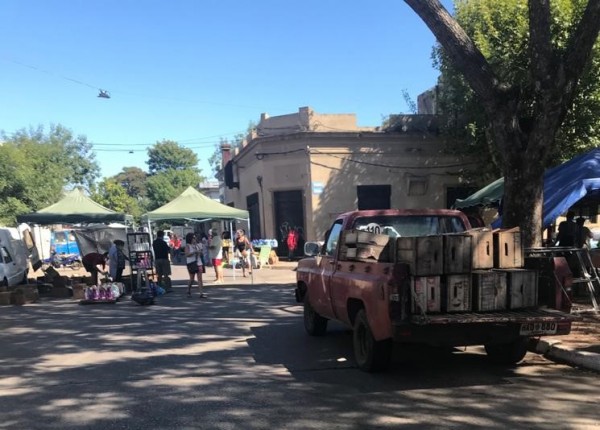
[(327, 168)]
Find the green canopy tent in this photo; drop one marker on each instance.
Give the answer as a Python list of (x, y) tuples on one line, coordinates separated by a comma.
[(191, 205), (74, 208), (489, 195)]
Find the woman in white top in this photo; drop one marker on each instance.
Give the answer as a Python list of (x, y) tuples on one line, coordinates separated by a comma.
[(193, 252)]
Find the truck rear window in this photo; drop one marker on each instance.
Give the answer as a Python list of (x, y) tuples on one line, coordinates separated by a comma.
[(410, 225)]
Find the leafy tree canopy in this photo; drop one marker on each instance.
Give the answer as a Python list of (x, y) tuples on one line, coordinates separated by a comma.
[(133, 179), (169, 155), (36, 167), (500, 29), (114, 196), (166, 185)]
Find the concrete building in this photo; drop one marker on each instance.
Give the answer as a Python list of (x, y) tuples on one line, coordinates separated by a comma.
[(301, 170)]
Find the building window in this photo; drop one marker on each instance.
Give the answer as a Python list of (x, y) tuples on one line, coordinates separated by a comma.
[(374, 196)]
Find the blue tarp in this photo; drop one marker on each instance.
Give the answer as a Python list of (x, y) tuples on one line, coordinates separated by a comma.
[(564, 186)]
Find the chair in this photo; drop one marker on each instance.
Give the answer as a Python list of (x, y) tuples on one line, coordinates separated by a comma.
[(263, 256)]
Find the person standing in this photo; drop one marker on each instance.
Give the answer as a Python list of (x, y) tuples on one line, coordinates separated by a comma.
[(244, 247), (91, 262), (175, 248), (161, 257), (216, 254), (567, 231), (116, 260), (292, 243), (193, 254), (584, 234)]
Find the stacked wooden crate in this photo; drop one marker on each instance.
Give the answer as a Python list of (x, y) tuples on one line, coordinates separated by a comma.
[(424, 255), (478, 270)]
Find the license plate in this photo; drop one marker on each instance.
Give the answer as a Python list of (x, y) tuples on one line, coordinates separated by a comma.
[(537, 328)]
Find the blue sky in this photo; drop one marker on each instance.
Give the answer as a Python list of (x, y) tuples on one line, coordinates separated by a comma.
[(196, 71)]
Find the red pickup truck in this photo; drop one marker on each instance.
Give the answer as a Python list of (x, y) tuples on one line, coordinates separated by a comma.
[(365, 275)]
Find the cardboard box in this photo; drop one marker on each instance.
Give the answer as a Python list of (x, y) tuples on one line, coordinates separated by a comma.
[(482, 248), (355, 237), (508, 249), (5, 298), (522, 288), (457, 253), (30, 293), (423, 254), (426, 294), (79, 291), (489, 290), (458, 292)]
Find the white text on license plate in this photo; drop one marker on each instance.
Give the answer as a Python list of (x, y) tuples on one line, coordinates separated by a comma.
[(528, 329)]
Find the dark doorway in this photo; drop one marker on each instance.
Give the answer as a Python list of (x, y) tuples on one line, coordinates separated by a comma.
[(374, 196), (289, 214), (254, 214)]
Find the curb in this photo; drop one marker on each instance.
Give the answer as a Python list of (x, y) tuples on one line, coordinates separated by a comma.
[(554, 351)]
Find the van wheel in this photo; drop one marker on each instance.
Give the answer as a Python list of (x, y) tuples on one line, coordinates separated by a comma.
[(507, 353), (314, 324), (371, 355), (4, 283)]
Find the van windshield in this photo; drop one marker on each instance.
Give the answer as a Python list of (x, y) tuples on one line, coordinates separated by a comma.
[(410, 225)]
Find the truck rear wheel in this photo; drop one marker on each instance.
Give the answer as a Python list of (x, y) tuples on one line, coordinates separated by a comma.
[(507, 353), (371, 355), (314, 324)]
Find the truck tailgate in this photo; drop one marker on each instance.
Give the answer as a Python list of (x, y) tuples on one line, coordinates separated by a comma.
[(513, 316)]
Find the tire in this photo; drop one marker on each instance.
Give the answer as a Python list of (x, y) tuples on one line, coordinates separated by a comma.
[(370, 355), (76, 265), (4, 283), (507, 353), (314, 324)]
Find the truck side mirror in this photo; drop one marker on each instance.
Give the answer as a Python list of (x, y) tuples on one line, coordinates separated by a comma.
[(312, 249)]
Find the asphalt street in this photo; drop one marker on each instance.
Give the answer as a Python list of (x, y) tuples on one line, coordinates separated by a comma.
[(241, 360)]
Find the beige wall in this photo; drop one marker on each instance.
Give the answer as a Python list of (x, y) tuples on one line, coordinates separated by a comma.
[(413, 165)]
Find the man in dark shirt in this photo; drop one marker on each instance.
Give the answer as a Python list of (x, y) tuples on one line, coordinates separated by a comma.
[(161, 257), (91, 262), (567, 231)]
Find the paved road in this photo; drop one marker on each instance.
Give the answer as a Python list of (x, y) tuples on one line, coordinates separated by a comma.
[(241, 360)]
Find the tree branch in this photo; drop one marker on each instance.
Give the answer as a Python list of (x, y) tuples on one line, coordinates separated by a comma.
[(540, 45), (579, 49), (458, 45)]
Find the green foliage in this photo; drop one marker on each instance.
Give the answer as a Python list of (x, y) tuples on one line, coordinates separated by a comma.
[(500, 30), (133, 180), (166, 185), (113, 195), (36, 167), (215, 160), (169, 155)]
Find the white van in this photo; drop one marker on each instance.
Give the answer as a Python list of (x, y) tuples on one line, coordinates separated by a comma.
[(14, 258)]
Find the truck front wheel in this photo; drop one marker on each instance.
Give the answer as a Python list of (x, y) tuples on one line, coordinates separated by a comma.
[(507, 353), (314, 324), (370, 355)]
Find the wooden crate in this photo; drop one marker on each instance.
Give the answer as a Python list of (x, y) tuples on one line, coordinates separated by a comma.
[(457, 253), (522, 288), (482, 248), (79, 291), (423, 254), (508, 249), (458, 292), (489, 290), (426, 294)]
